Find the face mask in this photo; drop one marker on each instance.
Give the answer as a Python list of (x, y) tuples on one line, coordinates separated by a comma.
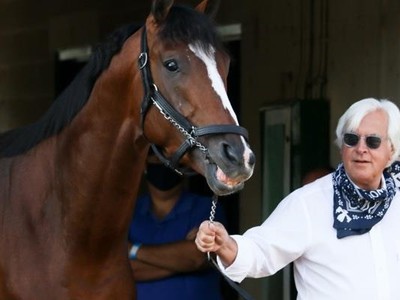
[(162, 177)]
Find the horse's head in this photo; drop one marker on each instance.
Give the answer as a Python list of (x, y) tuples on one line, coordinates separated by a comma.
[(185, 74)]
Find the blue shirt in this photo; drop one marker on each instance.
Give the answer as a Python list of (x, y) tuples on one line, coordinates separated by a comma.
[(188, 213)]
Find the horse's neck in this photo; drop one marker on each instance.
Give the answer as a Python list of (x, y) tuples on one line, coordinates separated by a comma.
[(102, 152)]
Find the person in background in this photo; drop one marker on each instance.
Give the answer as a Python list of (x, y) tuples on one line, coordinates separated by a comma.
[(165, 261), (342, 231), (316, 173)]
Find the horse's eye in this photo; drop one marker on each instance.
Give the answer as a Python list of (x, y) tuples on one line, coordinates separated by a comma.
[(171, 65)]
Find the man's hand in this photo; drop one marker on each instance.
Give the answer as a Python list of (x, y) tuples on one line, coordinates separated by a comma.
[(213, 237)]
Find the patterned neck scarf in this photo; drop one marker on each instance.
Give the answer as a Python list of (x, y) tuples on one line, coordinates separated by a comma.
[(357, 210)]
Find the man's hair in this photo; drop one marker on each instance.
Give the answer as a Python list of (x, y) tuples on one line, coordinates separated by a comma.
[(353, 116)]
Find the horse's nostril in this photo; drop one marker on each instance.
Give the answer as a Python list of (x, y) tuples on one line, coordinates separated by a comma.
[(252, 159), (232, 154)]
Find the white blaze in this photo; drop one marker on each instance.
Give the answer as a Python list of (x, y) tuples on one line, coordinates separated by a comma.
[(218, 85), (216, 80)]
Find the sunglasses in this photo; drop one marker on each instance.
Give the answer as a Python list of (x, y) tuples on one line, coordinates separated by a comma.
[(352, 139)]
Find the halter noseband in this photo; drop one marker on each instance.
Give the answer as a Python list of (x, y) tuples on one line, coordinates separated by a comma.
[(189, 131)]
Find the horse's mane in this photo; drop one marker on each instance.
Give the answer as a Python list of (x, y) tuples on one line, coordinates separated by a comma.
[(183, 24), (69, 102)]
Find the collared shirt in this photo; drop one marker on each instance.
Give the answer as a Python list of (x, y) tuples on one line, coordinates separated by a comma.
[(360, 267), (188, 213)]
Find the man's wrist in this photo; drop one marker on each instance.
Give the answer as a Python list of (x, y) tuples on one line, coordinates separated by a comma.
[(134, 249)]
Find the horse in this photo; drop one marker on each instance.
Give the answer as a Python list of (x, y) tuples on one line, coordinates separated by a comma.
[(69, 180)]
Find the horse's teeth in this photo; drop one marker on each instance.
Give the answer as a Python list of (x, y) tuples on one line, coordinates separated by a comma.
[(221, 176)]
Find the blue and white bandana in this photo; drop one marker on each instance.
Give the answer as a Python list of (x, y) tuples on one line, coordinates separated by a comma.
[(356, 210)]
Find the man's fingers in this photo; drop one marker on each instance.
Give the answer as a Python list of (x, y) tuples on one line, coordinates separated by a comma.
[(205, 239)]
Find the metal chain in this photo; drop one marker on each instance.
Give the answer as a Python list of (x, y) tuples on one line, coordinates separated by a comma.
[(212, 217), (202, 148), (189, 136), (245, 295), (213, 208)]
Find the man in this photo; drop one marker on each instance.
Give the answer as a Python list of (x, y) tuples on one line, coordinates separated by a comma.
[(165, 261), (342, 231)]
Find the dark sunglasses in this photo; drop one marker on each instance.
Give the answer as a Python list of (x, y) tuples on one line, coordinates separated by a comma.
[(352, 139)]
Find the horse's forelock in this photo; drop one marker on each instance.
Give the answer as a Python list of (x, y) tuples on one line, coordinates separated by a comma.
[(189, 26)]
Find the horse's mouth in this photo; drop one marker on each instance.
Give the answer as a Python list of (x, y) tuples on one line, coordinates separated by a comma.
[(222, 177), (220, 183)]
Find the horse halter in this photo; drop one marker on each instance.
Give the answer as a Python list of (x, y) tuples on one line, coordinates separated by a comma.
[(189, 131)]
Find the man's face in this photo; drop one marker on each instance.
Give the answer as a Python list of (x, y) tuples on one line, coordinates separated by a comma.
[(363, 164)]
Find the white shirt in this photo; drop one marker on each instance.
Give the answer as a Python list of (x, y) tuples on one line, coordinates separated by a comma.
[(300, 230)]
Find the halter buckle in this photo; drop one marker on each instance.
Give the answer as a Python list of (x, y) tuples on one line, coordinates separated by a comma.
[(143, 58)]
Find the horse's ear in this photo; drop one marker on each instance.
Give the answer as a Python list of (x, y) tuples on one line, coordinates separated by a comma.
[(208, 7), (160, 9)]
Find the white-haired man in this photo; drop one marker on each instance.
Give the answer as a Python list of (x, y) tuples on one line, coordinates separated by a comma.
[(342, 231)]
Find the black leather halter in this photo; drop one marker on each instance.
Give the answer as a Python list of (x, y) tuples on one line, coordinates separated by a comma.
[(188, 130)]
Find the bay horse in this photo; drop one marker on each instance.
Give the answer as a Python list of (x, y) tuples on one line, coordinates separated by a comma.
[(68, 182)]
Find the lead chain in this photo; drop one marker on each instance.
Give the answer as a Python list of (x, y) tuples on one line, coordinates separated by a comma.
[(212, 216), (213, 208), (191, 139)]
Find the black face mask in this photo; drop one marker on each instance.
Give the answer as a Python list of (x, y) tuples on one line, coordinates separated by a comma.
[(162, 177)]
